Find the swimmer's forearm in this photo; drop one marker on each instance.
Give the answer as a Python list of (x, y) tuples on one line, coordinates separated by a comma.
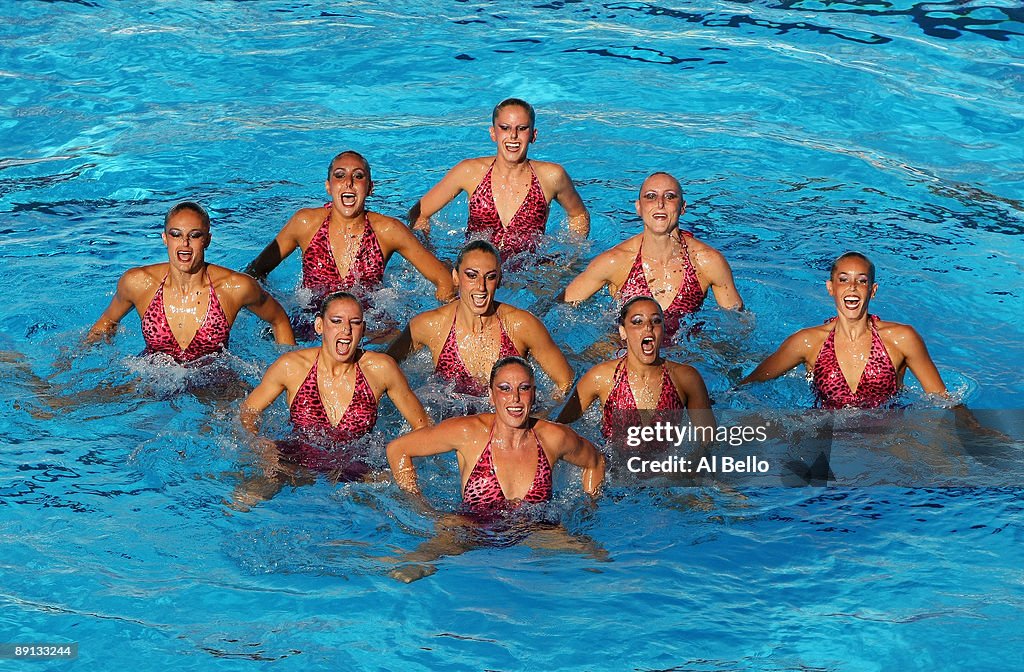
[(403, 471), (103, 330), (283, 334), (580, 224), (593, 477), (250, 417)]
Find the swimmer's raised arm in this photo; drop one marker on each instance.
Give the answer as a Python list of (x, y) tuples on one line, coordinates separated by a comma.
[(714, 267), (286, 242), (441, 438), (262, 305), (130, 285), (917, 359), (457, 180), (396, 386), (405, 242), (564, 191), (798, 349)]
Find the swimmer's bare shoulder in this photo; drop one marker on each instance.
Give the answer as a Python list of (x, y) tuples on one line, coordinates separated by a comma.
[(304, 224), (377, 363), (290, 370), (556, 438), (689, 384), (808, 342), (679, 371), (141, 280), (600, 377), (431, 325), (549, 173), (613, 265), (898, 336), (468, 173)]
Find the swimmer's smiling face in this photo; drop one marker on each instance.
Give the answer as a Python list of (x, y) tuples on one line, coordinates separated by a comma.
[(513, 393), (643, 330), (342, 327), (513, 132), (477, 279), (660, 203), (349, 185), (852, 287), (186, 236)]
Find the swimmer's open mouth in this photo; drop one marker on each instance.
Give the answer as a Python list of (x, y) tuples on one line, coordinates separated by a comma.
[(515, 411), (647, 345), (185, 255), (513, 146), (343, 345), (348, 199), (479, 300), (851, 302)]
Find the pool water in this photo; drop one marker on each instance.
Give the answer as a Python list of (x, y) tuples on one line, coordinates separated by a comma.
[(798, 130)]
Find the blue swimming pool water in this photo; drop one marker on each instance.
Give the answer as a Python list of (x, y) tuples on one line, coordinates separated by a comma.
[(798, 129)]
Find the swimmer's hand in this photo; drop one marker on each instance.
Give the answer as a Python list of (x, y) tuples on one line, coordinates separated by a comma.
[(445, 294), (412, 572), (270, 458)]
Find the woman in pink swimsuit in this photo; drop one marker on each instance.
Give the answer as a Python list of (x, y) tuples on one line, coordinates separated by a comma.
[(663, 262), (505, 457), (332, 390), (641, 380), (345, 246), (509, 194), (467, 336), (187, 305), (855, 359)]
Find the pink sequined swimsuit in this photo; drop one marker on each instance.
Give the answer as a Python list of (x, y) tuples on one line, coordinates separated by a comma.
[(482, 492), (689, 297), (211, 337), (877, 385), (620, 408), (320, 269), (451, 367), (309, 415), (525, 227)]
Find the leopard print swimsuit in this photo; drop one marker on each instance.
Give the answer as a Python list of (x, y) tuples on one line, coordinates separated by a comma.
[(620, 409), (211, 337), (689, 297), (320, 269), (877, 384), (482, 492), (451, 367), (525, 227)]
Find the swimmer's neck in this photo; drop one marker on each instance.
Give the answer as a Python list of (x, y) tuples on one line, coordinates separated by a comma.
[(854, 328), (185, 282), (503, 166), (644, 371), (355, 222), (661, 245), (329, 363), (506, 438), (474, 322)]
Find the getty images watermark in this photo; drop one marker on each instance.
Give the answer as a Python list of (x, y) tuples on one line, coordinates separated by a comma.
[(904, 447), (664, 436)]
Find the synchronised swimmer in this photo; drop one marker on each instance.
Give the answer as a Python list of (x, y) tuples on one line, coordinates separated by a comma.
[(658, 276)]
